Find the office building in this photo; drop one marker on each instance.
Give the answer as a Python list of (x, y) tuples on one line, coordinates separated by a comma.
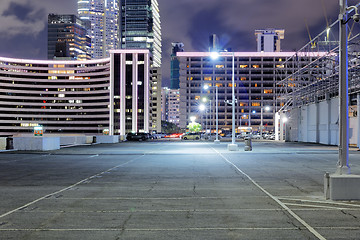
[(155, 99), (175, 67), (67, 38), (104, 31), (256, 75), (170, 103), (268, 40), (130, 91), (67, 97), (140, 27)]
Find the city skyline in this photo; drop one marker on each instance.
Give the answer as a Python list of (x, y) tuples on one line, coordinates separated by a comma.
[(23, 29)]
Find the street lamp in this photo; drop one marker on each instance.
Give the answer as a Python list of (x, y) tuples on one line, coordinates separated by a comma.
[(267, 108), (233, 146), (217, 141)]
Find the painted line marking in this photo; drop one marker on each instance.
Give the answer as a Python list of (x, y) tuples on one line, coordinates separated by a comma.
[(145, 229), (67, 188), (166, 230), (293, 214), (321, 202)]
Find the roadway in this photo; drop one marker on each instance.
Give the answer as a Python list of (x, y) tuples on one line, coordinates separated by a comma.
[(174, 190)]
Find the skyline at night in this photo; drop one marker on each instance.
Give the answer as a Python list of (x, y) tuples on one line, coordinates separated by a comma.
[(23, 24)]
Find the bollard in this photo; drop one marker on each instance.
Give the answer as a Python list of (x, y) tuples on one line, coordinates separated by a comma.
[(248, 146), (327, 185)]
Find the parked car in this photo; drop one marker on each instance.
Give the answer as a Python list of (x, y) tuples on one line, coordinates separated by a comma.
[(159, 135), (137, 136), (191, 136), (256, 136)]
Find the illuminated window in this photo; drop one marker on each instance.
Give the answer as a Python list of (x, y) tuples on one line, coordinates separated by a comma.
[(230, 85), (256, 85), (242, 104), (280, 66), (268, 91), (243, 66), (207, 78), (256, 66), (197, 97), (219, 78), (190, 78), (243, 78), (219, 66), (255, 104), (219, 84)]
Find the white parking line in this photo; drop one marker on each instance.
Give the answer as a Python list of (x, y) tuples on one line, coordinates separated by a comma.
[(305, 224)]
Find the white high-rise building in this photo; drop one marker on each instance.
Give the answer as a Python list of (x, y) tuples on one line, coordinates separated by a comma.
[(103, 15), (170, 105), (268, 40)]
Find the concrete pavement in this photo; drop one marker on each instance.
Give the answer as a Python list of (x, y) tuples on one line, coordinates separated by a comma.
[(174, 190)]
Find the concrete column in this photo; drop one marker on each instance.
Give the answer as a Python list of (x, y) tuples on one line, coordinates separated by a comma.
[(146, 93), (328, 101), (282, 127), (111, 102), (317, 126), (135, 94), (123, 95)]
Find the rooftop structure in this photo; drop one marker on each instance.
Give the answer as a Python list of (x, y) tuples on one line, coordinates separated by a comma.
[(268, 40)]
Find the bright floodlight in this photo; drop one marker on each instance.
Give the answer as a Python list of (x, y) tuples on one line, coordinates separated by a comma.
[(267, 108), (204, 99), (285, 119), (214, 55), (254, 111), (202, 107), (193, 118), (206, 87)]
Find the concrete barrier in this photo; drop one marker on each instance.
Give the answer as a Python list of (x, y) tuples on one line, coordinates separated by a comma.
[(89, 139), (107, 139), (72, 140), (36, 143), (3, 143)]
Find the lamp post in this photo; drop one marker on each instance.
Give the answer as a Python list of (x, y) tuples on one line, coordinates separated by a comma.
[(267, 108), (217, 141), (233, 146)]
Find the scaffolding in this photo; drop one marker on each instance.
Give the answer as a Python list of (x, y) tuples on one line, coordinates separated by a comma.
[(312, 73)]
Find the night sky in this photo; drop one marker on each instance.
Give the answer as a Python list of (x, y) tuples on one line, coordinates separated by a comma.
[(23, 32)]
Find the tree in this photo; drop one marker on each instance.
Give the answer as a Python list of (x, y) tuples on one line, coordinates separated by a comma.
[(194, 127), (168, 127)]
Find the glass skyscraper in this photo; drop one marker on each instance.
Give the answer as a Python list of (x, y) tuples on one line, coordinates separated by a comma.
[(104, 32), (67, 38), (140, 27)]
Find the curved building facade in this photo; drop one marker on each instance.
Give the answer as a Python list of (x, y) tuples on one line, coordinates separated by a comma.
[(62, 96)]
